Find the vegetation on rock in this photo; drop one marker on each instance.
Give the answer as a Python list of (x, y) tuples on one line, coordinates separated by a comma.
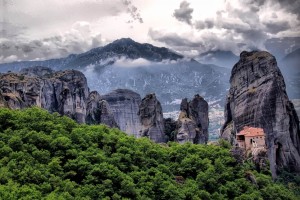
[(48, 156)]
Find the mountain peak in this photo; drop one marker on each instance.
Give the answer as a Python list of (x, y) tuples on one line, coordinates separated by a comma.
[(131, 49), (124, 41)]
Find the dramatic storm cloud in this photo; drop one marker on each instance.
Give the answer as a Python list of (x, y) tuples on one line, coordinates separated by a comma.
[(184, 13), (37, 30), (235, 26)]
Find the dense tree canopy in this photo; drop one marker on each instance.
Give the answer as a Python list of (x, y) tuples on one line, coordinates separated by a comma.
[(47, 156)]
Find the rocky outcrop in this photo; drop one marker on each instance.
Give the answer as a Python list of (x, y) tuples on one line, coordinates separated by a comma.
[(98, 111), (124, 105), (257, 98), (64, 92), (193, 121), (151, 117)]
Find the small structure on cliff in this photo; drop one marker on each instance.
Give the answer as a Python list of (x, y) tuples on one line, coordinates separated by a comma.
[(251, 138), (257, 97)]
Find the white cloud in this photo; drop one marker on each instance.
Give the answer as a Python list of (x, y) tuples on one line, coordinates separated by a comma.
[(79, 39), (10, 58), (54, 28), (140, 62)]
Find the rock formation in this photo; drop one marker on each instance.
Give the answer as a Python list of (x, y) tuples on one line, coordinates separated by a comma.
[(193, 121), (151, 118), (257, 98), (124, 105), (98, 111), (65, 92)]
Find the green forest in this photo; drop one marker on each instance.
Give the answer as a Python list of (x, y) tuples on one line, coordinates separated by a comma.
[(48, 156)]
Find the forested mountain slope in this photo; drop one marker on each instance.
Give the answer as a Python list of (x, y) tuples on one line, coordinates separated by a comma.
[(47, 156)]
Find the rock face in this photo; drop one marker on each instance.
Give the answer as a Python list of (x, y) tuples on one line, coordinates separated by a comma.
[(193, 121), (98, 111), (124, 105), (65, 92), (257, 98), (151, 118)]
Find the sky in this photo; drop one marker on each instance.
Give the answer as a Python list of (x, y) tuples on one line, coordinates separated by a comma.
[(44, 29)]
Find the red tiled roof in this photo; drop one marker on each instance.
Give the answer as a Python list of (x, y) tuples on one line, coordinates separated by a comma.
[(251, 132)]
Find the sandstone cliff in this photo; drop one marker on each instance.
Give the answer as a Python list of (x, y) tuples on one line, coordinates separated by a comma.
[(151, 118), (257, 98), (124, 105), (193, 121)]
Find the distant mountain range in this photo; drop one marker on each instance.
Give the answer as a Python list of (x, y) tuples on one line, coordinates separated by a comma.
[(142, 68), (143, 64), (103, 56)]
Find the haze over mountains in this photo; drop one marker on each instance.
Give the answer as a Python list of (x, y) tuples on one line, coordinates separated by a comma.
[(140, 60), (143, 68)]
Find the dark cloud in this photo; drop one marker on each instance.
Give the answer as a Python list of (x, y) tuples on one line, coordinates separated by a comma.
[(254, 38), (244, 24), (173, 39), (241, 14), (255, 2), (276, 27), (9, 30), (291, 6), (184, 13), (250, 39), (133, 11), (206, 24), (254, 5)]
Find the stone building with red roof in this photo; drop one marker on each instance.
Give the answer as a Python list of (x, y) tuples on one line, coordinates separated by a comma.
[(250, 138)]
